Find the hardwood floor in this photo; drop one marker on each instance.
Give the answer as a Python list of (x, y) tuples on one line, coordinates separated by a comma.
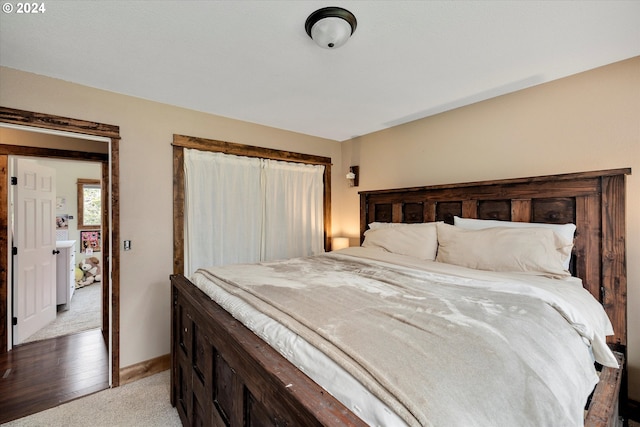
[(43, 374)]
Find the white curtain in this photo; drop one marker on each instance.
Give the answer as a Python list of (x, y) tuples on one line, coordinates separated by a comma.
[(243, 210), (294, 210), (223, 209)]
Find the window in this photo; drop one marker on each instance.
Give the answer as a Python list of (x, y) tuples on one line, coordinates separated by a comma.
[(89, 204)]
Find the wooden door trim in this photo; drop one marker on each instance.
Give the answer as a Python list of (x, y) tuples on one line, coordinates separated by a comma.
[(82, 127)]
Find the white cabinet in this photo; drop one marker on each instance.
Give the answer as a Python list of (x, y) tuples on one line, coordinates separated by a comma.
[(65, 271)]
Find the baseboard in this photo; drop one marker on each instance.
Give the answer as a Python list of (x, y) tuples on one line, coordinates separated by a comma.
[(633, 410), (144, 369)]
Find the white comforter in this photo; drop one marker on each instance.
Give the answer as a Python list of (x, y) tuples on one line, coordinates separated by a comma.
[(439, 345)]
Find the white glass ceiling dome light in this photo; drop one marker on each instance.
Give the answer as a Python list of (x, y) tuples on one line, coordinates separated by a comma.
[(330, 27)]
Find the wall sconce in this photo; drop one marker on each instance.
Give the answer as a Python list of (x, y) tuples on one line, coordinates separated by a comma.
[(353, 176), (339, 243)]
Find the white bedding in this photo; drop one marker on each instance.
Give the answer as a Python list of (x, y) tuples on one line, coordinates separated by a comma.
[(585, 328)]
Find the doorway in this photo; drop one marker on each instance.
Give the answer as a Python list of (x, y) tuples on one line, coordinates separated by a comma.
[(97, 133), (77, 250)]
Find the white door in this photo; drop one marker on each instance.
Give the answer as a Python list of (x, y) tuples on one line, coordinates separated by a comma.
[(34, 265)]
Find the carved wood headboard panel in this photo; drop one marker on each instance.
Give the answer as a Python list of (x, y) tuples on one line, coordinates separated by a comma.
[(594, 201)]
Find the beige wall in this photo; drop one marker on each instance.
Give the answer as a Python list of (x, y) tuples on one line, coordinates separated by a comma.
[(589, 121), (146, 192)]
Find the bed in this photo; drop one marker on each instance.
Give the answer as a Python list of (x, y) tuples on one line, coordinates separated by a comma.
[(225, 374)]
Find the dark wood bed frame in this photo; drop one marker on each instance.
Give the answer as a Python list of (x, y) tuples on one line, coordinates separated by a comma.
[(223, 374)]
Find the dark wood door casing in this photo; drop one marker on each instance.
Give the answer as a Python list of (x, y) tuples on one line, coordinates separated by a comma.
[(110, 174)]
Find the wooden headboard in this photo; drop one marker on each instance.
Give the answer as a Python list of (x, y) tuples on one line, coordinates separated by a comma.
[(594, 201)]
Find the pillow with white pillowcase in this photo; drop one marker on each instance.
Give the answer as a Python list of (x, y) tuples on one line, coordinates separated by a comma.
[(507, 249), (417, 240), (564, 231), (378, 225)]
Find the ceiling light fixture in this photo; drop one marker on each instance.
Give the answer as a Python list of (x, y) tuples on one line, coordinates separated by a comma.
[(330, 27)]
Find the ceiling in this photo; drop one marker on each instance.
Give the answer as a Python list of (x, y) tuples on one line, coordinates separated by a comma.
[(253, 61)]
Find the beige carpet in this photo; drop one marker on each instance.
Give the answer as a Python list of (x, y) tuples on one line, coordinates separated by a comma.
[(143, 403), (85, 312)]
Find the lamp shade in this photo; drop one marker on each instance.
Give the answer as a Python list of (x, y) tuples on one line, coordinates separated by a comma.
[(330, 27), (339, 243)]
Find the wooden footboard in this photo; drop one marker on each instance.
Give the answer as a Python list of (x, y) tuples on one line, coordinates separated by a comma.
[(605, 402), (224, 375)]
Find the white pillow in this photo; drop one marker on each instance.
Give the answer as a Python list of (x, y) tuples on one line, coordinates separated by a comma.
[(531, 250), (564, 231), (378, 225), (417, 240)]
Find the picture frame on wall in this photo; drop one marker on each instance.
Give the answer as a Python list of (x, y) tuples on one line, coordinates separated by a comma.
[(61, 203), (62, 222), (90, 241)]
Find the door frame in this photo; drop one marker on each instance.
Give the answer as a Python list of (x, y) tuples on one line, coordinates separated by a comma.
[(111, 217)]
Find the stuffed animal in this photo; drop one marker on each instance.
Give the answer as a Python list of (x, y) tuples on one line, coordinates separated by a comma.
[(91, 271)]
